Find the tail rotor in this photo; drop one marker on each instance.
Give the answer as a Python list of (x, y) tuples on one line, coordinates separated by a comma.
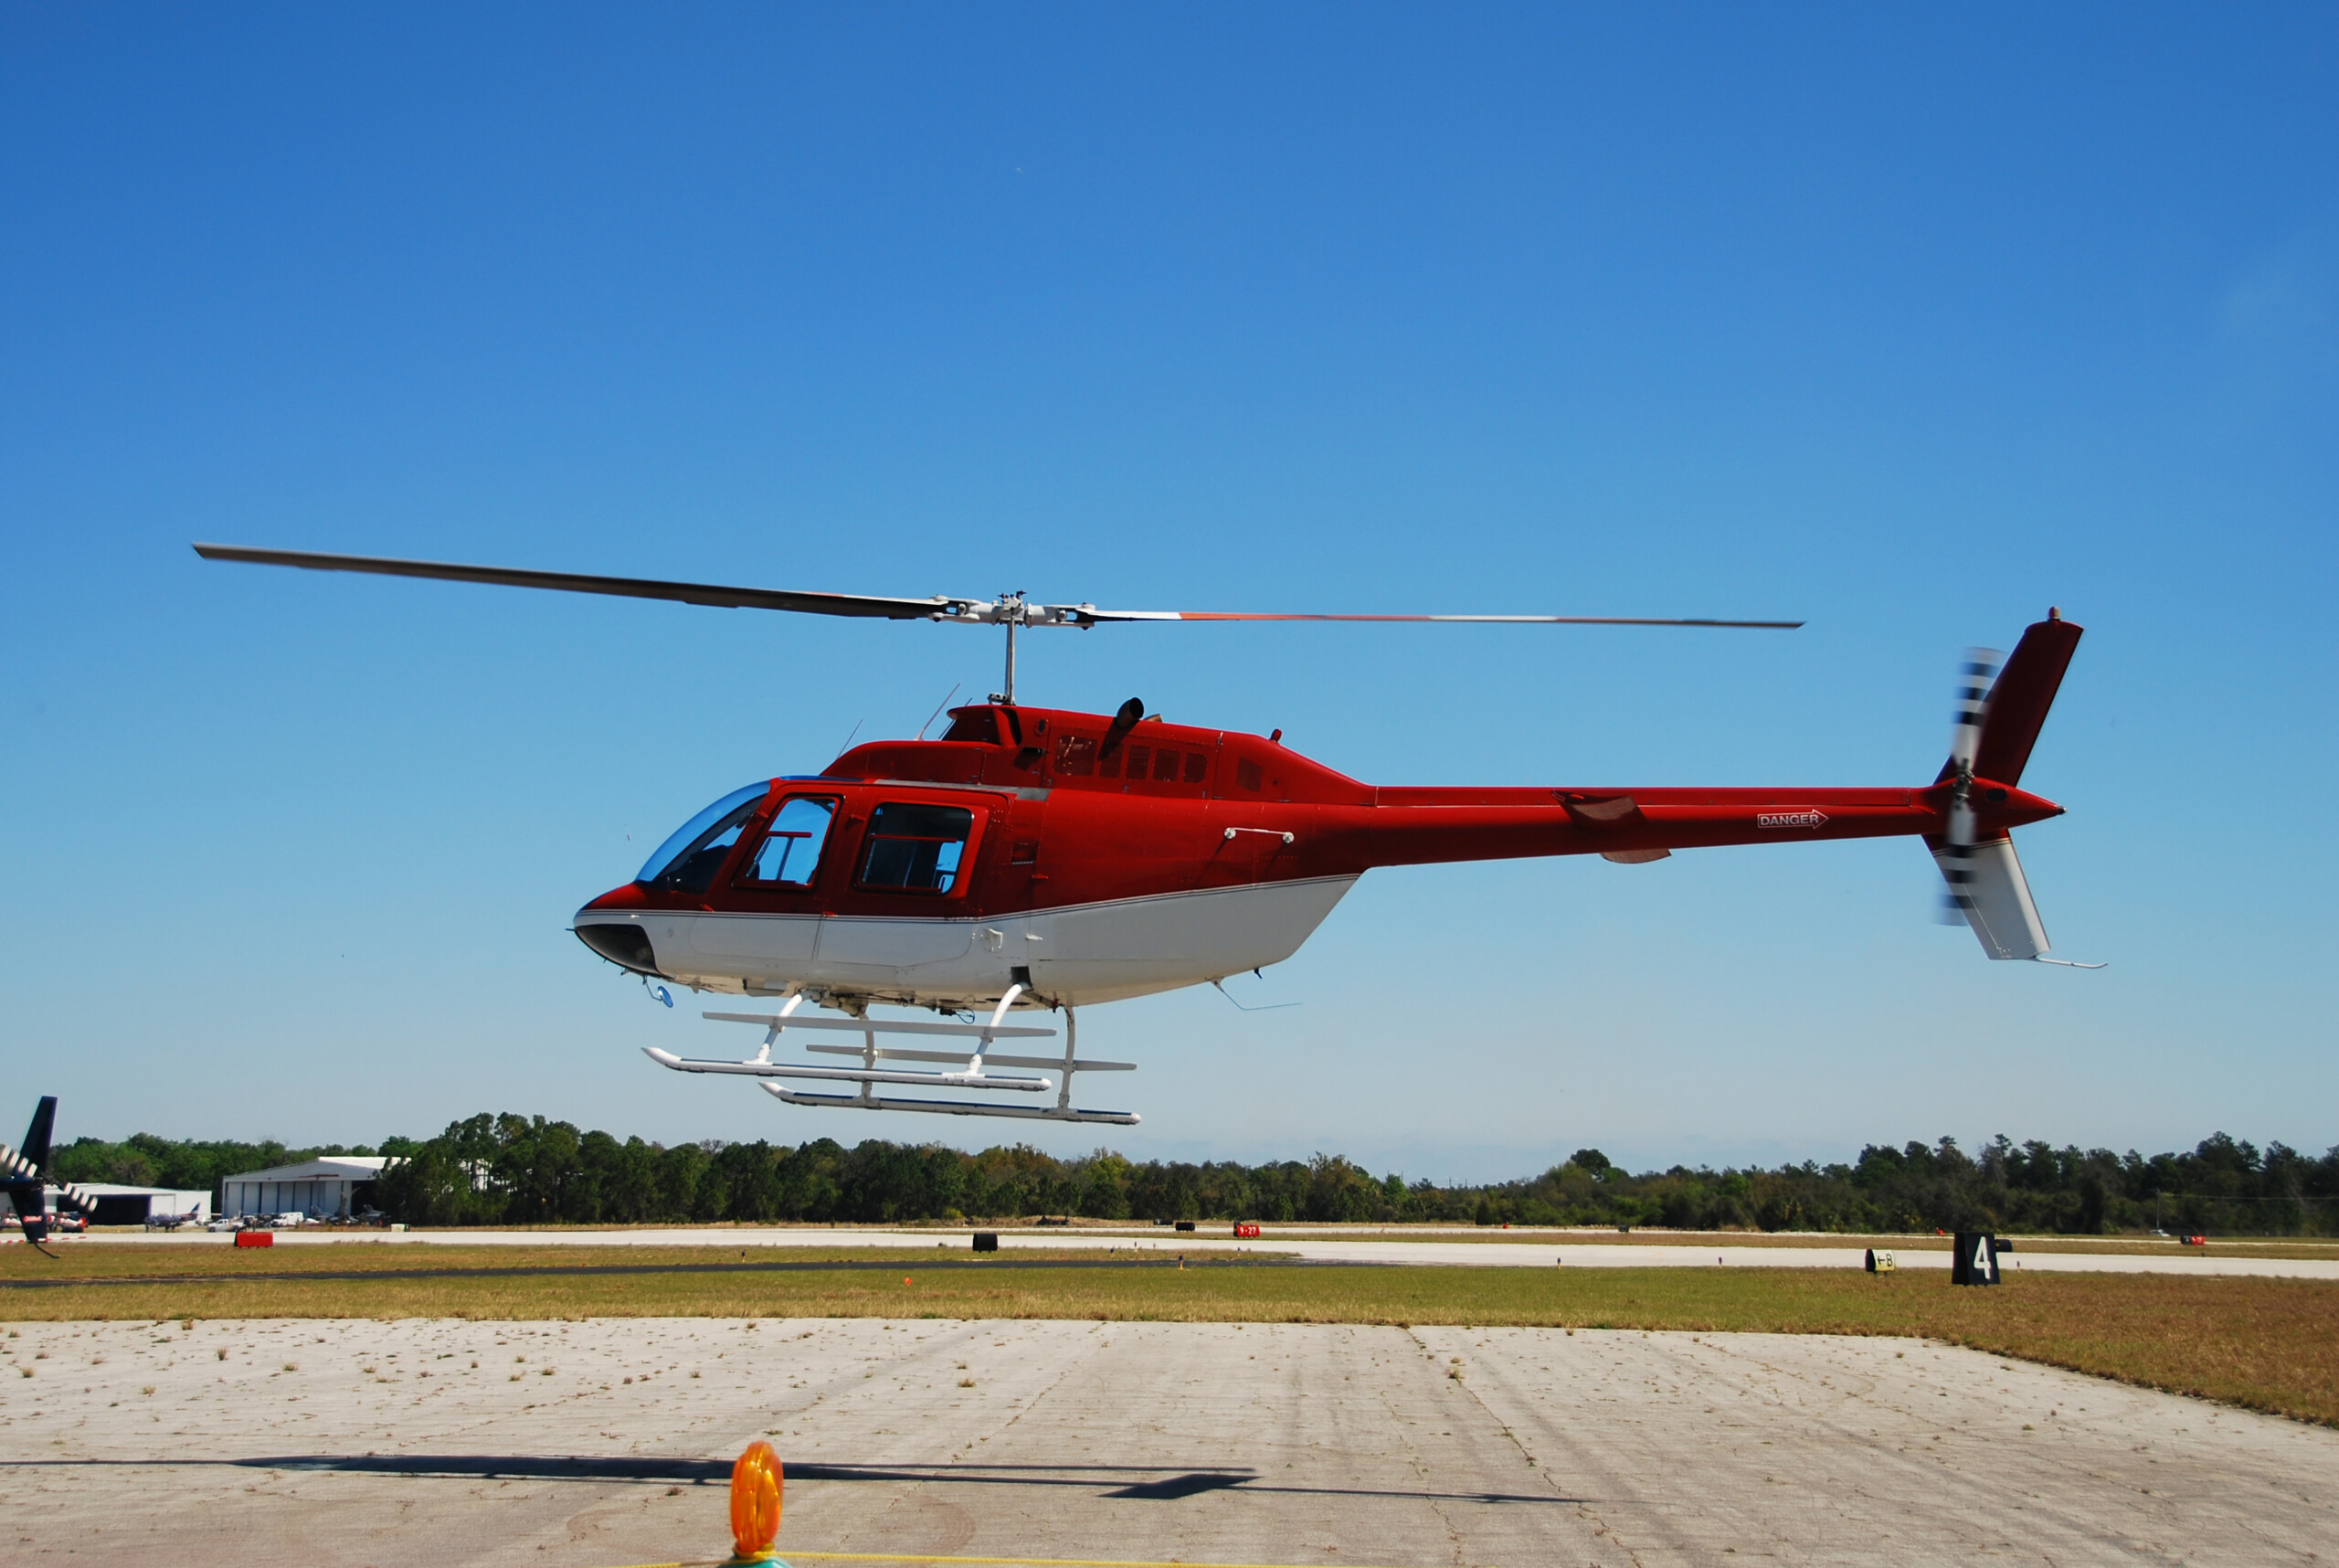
[(1978, 675), (2001, 705)]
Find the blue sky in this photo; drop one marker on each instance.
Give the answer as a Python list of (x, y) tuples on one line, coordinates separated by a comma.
[(1908, 322)]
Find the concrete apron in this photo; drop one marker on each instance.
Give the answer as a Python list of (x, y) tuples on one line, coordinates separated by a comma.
[(354, 1443)]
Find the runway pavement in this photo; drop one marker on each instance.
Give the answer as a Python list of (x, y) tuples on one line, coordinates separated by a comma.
[(341, 1443), (1572, 1250)]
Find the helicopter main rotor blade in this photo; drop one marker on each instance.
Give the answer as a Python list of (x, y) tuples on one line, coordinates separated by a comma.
[(1086, 612), (716, 595), (1008, 608)]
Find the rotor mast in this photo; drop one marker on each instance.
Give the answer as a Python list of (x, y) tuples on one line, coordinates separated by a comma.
[(1009, 611)]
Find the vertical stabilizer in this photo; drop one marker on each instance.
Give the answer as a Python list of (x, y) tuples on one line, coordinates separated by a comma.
[(37, 1137), (2009, 720), (26, 1168)]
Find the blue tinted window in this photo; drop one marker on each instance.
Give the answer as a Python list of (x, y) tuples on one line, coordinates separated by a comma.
[(789, 856), (683, 856)]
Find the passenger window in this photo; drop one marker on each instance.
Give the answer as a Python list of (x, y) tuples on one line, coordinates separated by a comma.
[(1076, 756), (915, 849), (789, 856), (1164, 767), (1197, 763), (1140, 758)]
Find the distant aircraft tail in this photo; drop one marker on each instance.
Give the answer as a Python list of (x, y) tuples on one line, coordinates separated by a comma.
[(24, 1178), (1992, 734), (36, 1136)]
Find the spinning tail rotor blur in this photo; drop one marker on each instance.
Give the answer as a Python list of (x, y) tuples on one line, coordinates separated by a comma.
[(1976, 676), (2001, 708)]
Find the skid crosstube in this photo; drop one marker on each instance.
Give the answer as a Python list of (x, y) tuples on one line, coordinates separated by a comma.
[(971, 1061)]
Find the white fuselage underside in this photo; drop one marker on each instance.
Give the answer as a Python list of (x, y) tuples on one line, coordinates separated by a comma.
[(1086, 953)]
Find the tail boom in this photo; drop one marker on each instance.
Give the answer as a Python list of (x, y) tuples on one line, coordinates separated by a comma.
[(1419, 827)]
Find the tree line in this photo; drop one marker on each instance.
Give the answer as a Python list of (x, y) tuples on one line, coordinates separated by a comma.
[(515, 1170)]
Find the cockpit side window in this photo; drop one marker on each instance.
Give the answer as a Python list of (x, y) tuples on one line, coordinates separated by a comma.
[(913, 848), (789, 856), (688, 862)]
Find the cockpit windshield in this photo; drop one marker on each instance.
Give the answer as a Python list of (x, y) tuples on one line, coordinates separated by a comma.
[(689, 860)]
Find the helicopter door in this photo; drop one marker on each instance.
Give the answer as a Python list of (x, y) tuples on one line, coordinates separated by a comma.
[(909, 880), (773, 924)]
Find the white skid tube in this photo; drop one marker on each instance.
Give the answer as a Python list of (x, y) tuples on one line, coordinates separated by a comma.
[(762, 1069), (953, 1107), (884, 1026), (897, 1053)]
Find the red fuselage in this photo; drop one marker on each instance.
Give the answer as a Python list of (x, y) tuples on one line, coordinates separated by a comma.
[(1061, 815)]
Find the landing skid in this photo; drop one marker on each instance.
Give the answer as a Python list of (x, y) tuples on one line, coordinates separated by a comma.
[(952, 1107), (972, 1065)]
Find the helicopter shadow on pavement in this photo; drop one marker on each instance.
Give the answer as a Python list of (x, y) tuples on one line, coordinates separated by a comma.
[(1152, 1483)]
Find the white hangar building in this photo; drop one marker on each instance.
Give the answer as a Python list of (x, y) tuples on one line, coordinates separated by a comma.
[(333, 1188), (118, 1205), (114, 1205)]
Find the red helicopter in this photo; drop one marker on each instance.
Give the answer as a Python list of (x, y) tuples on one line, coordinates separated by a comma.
[(1037, 858)]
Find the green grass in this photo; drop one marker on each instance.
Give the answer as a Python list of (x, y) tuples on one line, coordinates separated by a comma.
[(2268, 1344)]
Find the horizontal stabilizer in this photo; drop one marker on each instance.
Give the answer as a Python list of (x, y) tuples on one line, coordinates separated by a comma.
[(15, 1169), (953, 1107), (1986, 885), (884, 1026)]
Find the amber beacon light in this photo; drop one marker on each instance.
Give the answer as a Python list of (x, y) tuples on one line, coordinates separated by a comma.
[(754, 1503)]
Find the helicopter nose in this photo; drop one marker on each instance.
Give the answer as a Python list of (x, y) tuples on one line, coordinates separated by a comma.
[(611, 925), (623, 942), (629, 897)]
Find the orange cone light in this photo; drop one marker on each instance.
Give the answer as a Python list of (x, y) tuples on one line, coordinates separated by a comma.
[(754, 1503)]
